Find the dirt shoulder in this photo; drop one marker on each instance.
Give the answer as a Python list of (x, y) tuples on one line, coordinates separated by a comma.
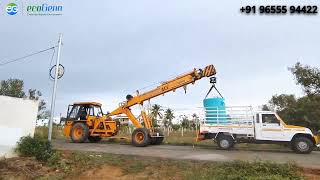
[(94, 165), (196, 153)]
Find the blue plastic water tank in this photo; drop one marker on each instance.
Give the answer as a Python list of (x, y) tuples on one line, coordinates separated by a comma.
[(215, 111)]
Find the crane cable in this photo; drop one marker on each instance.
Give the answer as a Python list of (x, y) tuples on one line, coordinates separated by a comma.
[(24, 57), (213, 86)]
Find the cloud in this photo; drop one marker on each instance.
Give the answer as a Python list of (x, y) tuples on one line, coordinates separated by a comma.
[(114, 48)]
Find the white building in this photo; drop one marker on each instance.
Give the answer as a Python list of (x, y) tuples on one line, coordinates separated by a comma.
[(18, 118)]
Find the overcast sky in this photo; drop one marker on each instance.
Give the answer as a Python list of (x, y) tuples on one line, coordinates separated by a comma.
[(112, 48)]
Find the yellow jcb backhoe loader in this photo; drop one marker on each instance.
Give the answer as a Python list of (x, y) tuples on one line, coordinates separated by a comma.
[(85, 120)]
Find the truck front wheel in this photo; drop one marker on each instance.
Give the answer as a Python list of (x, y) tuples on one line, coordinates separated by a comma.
[(225, 142), (302, 145)]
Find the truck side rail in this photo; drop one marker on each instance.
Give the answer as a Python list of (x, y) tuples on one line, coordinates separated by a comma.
[(231, 115)]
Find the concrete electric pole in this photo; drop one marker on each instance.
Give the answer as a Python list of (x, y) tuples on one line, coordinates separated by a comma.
[(53, 100)]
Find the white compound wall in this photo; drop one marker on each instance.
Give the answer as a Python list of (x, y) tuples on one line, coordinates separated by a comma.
[(17, 118)]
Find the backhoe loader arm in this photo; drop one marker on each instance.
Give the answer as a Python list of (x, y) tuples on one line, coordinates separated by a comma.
[(170, 85)]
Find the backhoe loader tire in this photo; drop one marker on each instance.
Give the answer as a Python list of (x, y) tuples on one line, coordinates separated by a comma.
[(140, 137), (302, 145), (94, 139), (79, 132), (157, 140), (225, 142)]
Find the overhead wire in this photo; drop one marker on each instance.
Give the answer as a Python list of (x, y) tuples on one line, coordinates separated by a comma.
[(53, 53), (2, 63)]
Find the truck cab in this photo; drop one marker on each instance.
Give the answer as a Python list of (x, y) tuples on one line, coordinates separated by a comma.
[(230, 125), (270, 127)]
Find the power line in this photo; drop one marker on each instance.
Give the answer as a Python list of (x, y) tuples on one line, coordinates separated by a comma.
[(54, 50), (53, 53), (23, 57)]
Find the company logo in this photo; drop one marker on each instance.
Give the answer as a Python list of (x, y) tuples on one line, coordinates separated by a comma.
[(12, 9), (44, 9)]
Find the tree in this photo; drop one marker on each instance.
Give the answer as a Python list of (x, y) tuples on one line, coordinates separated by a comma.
[(33, 94), (195, 121), (303, 111), (308, 77), (184, 123), (167, 120), (265, 107), (168, 117), (12, 88), (156, 111)]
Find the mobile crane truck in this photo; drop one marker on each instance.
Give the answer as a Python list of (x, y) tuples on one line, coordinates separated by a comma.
[(85, 120)]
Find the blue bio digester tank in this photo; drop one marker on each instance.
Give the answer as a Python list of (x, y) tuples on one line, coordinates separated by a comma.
[(215, 111)]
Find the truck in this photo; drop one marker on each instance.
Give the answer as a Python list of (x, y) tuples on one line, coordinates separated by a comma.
[(242, 124)]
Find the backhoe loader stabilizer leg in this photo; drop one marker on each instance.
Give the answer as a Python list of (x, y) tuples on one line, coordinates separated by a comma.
[(146, 120), (132, 118)]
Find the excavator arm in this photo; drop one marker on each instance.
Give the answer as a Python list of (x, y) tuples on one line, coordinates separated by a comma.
[(170, 85)]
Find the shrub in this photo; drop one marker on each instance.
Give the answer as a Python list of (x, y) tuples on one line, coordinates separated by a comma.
[(36, 147)]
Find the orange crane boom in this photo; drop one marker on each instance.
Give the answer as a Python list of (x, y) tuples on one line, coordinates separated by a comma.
[(170, 85)]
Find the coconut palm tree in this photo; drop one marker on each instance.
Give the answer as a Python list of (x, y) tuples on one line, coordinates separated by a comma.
[(156, 111), (184, 123), (167, 120), (195, 119)]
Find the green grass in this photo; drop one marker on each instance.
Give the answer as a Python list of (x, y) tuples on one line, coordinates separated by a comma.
[(183, 169), (42, 132)]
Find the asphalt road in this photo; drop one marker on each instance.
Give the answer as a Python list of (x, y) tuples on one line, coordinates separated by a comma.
[(195, 153)]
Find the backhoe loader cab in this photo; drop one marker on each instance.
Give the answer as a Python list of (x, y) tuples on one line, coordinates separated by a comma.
[(81, 111), (86, 121)]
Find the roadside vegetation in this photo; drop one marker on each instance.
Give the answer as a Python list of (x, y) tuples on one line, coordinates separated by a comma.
[(74, 165)]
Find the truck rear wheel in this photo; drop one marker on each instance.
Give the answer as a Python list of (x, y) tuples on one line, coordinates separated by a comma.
[(140, 137), (225, 142), (302, 145), (79, 132), (157, 140)]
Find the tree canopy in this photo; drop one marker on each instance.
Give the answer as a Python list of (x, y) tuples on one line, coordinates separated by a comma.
[(168, 117), (156, 111), (308, 77), (305, 110), (12, 88)]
